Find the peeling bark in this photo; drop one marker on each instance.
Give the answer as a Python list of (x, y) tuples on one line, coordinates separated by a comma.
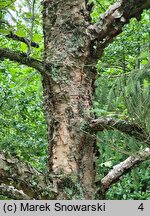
[(23, 177), (115, 174), (69, 87), (112, 21), (107, 123), (13, 193), (68, 93)]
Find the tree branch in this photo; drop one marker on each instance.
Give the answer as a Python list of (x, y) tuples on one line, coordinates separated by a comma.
[(13, 193), (106, 123), (23, 177), (124, 167), (22, 39), (22, 58), (112, 22)]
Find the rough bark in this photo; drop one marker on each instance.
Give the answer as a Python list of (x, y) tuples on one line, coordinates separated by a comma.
[(23, 177), (125, 166), (13, 193), (131, 129), (28, 183), (112, 21), (68, 90), (69, 87)]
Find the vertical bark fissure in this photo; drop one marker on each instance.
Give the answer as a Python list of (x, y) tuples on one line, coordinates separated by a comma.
[(68, 91)]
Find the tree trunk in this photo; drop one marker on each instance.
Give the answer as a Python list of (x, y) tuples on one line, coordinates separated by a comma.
[(68, 76), (68, 89)]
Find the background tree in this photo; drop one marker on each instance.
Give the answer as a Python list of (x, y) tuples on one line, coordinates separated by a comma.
[(73, 43)]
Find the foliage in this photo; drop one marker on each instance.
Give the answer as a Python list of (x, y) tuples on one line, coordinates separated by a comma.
[(23, 131), (17, 17), (123, 91), (100, 6), (22, 121)]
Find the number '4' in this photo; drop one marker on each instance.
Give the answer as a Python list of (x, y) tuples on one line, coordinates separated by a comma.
[(141, 207)]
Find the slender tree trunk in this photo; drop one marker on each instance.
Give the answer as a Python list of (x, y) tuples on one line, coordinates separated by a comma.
[(68, 89)]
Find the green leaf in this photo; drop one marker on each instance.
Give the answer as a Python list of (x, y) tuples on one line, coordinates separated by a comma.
[(20, 32), (4, 31), (23, 47), (37, 37)]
